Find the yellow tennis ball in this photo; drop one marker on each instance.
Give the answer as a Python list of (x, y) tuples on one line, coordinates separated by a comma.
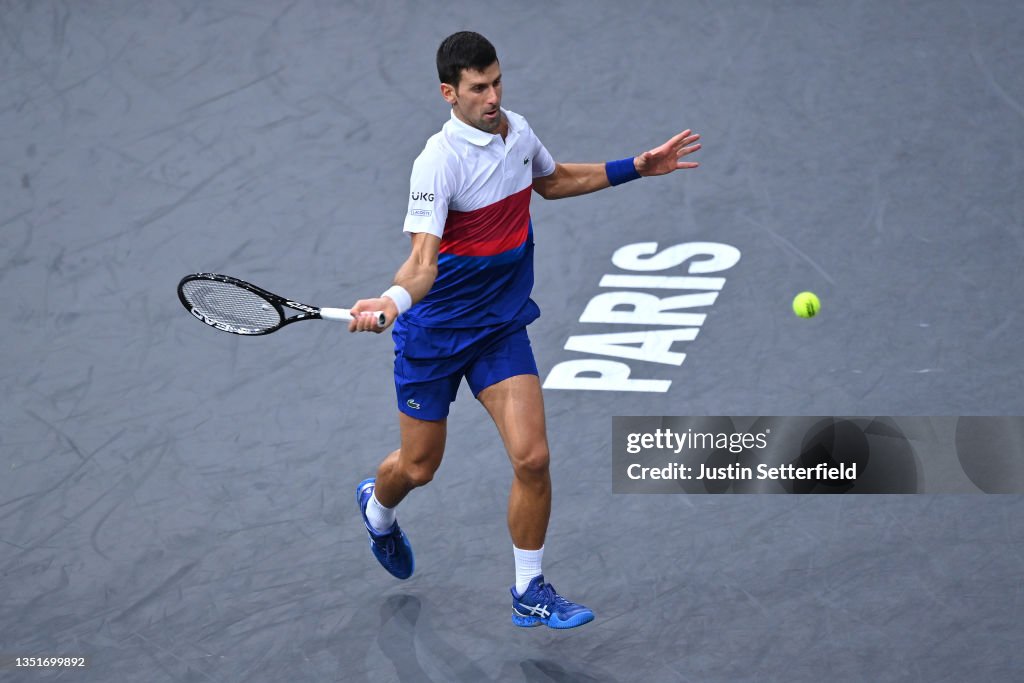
[(806, 304)]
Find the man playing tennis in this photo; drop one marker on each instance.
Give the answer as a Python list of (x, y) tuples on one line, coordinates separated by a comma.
[(461, 302)]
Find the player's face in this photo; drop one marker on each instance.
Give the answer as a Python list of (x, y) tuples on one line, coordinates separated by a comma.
[(477, 99)]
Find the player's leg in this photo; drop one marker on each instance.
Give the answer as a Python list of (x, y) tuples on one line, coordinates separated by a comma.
[(410, 466), (424, 392), (415, 462), (517, 407), (504, 379)]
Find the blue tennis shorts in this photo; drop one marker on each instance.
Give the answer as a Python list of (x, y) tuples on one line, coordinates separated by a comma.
[(430, 364)]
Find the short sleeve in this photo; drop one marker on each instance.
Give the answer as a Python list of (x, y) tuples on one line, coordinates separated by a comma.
[(543, 163), (431, 186)]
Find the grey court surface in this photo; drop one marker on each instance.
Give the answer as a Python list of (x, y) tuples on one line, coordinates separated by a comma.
[(177, 503)]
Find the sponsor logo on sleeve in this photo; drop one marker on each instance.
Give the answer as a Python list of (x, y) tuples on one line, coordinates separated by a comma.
[(421, 197)]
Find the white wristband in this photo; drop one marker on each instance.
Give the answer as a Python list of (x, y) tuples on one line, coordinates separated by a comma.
[(400, 296)]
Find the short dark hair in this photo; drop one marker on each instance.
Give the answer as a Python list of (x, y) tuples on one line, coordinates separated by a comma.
[(463, 50)]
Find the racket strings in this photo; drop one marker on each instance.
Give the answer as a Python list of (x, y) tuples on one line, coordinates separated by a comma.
[(231, 305)]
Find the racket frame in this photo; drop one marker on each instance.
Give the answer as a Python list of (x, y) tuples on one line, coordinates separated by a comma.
[(306, 312)]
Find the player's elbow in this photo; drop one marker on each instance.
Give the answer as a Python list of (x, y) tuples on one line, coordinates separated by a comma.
[(543, 188), (553, 185)]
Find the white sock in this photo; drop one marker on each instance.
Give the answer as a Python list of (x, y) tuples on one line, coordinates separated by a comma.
[(380, 517), (528, 566)]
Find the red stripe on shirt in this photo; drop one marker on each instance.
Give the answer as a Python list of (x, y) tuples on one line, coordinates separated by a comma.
[(491, 230)]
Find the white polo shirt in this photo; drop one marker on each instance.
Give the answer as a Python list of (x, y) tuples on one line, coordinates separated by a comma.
[(472, 189)]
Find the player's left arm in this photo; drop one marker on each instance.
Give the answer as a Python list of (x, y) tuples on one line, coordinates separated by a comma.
[(572, 180)]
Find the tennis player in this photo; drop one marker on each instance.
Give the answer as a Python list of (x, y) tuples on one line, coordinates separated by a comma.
[(461, 302)]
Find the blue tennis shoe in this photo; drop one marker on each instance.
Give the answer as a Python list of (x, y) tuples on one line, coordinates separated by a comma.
[(540, 604), (391, 548)]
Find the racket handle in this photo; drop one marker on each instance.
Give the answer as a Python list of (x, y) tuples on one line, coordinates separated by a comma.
[(344, 314)]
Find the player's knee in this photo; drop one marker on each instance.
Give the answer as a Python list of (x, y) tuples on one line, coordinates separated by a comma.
[(420, 473), (420, 476), (532, 463)]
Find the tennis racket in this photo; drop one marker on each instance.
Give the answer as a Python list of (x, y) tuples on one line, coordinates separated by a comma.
[(239, 307)]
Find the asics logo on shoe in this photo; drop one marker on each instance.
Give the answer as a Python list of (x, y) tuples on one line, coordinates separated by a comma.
[(537, 610), (413, 404)]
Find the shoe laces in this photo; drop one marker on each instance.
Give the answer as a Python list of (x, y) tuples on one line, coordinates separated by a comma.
[(552, 597), (389, 542)]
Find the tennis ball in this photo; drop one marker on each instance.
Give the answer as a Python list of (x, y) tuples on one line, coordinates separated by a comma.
[(806, 304)]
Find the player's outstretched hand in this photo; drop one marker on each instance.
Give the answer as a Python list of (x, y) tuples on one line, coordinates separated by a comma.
[(666, 158), (364, 318)]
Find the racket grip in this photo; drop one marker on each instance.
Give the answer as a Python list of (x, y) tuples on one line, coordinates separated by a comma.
[(344, 314)]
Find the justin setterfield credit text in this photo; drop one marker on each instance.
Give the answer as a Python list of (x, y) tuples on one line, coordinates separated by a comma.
[(665, 439)]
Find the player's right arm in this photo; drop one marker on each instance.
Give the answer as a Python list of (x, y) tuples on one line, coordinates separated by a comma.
[(432, 183), (416, 276)]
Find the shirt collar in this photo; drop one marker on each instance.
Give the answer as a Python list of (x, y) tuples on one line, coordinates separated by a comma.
[(477, 136)]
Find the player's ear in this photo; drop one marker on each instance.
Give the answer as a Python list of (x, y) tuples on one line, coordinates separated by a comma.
[(448, 93)]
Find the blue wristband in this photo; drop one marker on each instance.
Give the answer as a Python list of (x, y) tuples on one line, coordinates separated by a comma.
[(621, 171)]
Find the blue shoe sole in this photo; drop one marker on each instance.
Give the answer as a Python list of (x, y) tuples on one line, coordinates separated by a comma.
[(573, 622)]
